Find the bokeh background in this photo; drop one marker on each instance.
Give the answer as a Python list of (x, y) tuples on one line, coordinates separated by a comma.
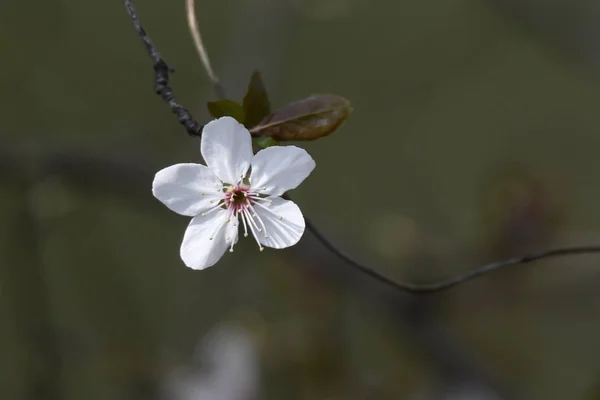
[(474, 138)]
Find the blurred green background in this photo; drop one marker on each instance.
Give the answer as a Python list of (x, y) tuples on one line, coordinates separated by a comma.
[(474, 137)]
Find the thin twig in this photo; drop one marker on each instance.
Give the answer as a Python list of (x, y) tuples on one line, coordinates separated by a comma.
[(201, 49), (162, 70), (456, 280)]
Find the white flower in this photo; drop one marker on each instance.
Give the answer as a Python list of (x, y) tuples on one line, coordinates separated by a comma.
[(235, 186)]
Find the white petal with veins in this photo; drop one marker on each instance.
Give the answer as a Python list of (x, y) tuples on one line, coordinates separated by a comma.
[(226, 146), (187, 189), (206, 239), (283, 221), (280, 168)]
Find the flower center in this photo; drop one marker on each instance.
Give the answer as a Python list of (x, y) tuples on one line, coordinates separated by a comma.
[(237, 197), (241, 202)]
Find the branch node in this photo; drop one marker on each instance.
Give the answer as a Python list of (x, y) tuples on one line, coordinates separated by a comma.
[(162, 70)]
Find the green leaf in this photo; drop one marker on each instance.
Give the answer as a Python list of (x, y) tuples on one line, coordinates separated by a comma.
[(309, 119), (265, 141), (226, 108), (256, 102)]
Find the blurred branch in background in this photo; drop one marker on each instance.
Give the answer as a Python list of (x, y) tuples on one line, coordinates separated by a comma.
[(571, 27), (127, 177), (454, 365), (28, 292)]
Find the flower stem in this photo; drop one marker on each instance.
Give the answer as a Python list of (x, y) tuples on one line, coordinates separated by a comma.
[(201, 49)]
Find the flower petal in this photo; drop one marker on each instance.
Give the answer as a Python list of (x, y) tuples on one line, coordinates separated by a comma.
[(283, 221), (280, 168), (198, 250), (227, 148), (187, 189)]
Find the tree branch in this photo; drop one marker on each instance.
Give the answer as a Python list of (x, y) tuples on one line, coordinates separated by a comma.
[(453, 281), (162, 71), (162, 74)]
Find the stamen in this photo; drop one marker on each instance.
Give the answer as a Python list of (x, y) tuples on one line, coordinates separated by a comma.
[(247, 215), (257, 199), (212, 235), (231, 216), (244, 222), (233, 241), (218, 206), (260, 220), (251, 220), (262, 206), (219, 227)]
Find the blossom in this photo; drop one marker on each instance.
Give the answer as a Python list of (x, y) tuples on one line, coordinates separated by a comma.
[(235, 190)]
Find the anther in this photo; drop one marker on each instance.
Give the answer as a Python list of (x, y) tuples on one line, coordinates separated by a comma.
[(261, 248), (231, 250), (280, 217), (202, 193), (246, 234)]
